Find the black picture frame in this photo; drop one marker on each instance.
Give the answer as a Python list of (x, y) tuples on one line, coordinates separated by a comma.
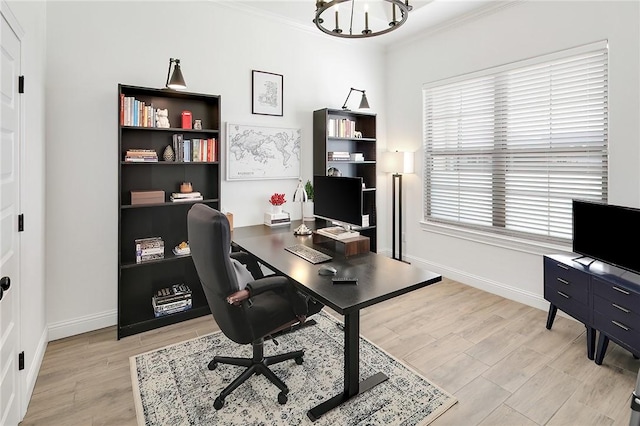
[(267, 93)]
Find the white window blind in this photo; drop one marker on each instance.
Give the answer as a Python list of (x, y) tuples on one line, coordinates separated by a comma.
[(506, 150)]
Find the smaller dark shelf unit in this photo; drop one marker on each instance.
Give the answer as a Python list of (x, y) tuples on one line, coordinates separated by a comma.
[(603, 297), (325, 142), (137, 282)]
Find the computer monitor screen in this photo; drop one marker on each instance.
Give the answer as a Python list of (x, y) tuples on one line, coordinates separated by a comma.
[(338, 199)]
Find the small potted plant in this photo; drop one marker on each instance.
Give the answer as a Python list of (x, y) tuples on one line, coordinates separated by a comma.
[(276, 201), (307, 209)]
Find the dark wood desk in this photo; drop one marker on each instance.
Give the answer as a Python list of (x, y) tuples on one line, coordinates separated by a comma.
[(379, 278)]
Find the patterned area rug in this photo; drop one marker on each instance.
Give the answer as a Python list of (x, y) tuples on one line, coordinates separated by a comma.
[(173, 386)]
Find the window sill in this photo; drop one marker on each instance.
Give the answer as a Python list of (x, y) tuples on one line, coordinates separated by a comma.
[(502, 241)]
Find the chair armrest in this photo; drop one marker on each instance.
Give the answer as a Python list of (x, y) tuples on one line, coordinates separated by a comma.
[(280, 284), (238, 297), (272, 283)]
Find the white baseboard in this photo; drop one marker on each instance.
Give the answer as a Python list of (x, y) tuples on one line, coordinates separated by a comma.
[(62, 329), (513, 293)]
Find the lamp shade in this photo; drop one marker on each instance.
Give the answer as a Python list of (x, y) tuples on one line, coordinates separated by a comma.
[(177, 80), (397, 162), (364, 103)]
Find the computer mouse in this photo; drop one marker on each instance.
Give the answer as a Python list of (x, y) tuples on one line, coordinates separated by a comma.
[(327, 270)]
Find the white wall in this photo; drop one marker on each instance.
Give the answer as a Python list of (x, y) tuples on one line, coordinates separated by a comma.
[(519, 31), (93, 46), (33, 327)]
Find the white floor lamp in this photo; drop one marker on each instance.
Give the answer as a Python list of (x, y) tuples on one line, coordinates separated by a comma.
[(398, 163)]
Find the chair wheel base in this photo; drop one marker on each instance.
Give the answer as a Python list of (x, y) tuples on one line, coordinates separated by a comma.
[(299, 360), (218, 403), (212, 365), (282, 398)]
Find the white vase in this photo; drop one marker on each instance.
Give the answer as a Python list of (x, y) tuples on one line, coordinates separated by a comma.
[(276, 209), (307, 211)]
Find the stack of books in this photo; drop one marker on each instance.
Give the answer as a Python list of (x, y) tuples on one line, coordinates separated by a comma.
[(277, 219), (149, 249), (338, 156), (181, 197), (171, 300), (141, 156)]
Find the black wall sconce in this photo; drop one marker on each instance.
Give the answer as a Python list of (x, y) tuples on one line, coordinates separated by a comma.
[(363, 102), (176, 81)]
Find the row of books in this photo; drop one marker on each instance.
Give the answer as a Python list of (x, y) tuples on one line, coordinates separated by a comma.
[(149, 249), (170, 300), (141, 156), (341, 128), (136, 113), (195, 150), (178, 197)]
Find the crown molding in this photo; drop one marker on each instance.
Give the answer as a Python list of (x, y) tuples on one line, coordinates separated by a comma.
[(240, 6), (490, 9)]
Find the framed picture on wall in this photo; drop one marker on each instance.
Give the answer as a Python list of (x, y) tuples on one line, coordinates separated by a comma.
[(266, 92)]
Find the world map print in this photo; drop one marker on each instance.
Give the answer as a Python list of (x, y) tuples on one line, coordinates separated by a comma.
[(255, 152)]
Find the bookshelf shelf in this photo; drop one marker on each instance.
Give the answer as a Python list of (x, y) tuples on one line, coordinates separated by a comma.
[(168, 203), (334, 131), (138, 282), (169, 129)]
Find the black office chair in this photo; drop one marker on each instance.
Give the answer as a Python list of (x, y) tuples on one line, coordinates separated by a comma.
[(266, 306)]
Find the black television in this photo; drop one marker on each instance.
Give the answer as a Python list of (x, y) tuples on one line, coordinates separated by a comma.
[(606, 232), (338, 199)]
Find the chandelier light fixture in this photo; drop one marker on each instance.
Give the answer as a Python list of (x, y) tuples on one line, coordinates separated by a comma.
[(325, 10)]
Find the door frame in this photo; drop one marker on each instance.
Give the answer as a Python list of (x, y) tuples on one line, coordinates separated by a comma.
[(21, 401)]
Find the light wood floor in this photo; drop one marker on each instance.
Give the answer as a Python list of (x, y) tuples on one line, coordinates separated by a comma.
[(493, 354)]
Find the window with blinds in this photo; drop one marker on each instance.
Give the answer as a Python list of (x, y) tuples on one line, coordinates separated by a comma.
[(507, 149)]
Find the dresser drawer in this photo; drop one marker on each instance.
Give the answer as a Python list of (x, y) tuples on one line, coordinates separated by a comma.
[(617, 312), (567, 303), (625, 334), (571, 282), (616, 293)]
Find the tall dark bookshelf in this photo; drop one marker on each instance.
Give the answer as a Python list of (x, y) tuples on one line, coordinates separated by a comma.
[(326, 141), (137, 282)]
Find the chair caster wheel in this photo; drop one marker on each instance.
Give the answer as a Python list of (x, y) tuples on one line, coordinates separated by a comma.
[(282, 398), (218, 403), (299, 360), (212, 365)]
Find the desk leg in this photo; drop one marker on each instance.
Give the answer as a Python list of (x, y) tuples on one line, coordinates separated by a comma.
[(352, 386)]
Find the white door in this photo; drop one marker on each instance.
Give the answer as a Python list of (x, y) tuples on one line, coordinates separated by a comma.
[(9, 210)]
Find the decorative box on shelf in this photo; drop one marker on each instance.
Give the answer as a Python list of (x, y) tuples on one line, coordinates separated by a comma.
[(147, 197)]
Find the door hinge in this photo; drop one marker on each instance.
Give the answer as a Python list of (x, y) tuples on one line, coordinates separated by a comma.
[(20, 222), (21, 361), (21, 84)]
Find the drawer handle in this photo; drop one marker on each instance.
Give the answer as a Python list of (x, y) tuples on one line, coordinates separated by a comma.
[(560, 265), (621, 290), (624, 327), (626, 311), (566, 296), (565, 282)]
